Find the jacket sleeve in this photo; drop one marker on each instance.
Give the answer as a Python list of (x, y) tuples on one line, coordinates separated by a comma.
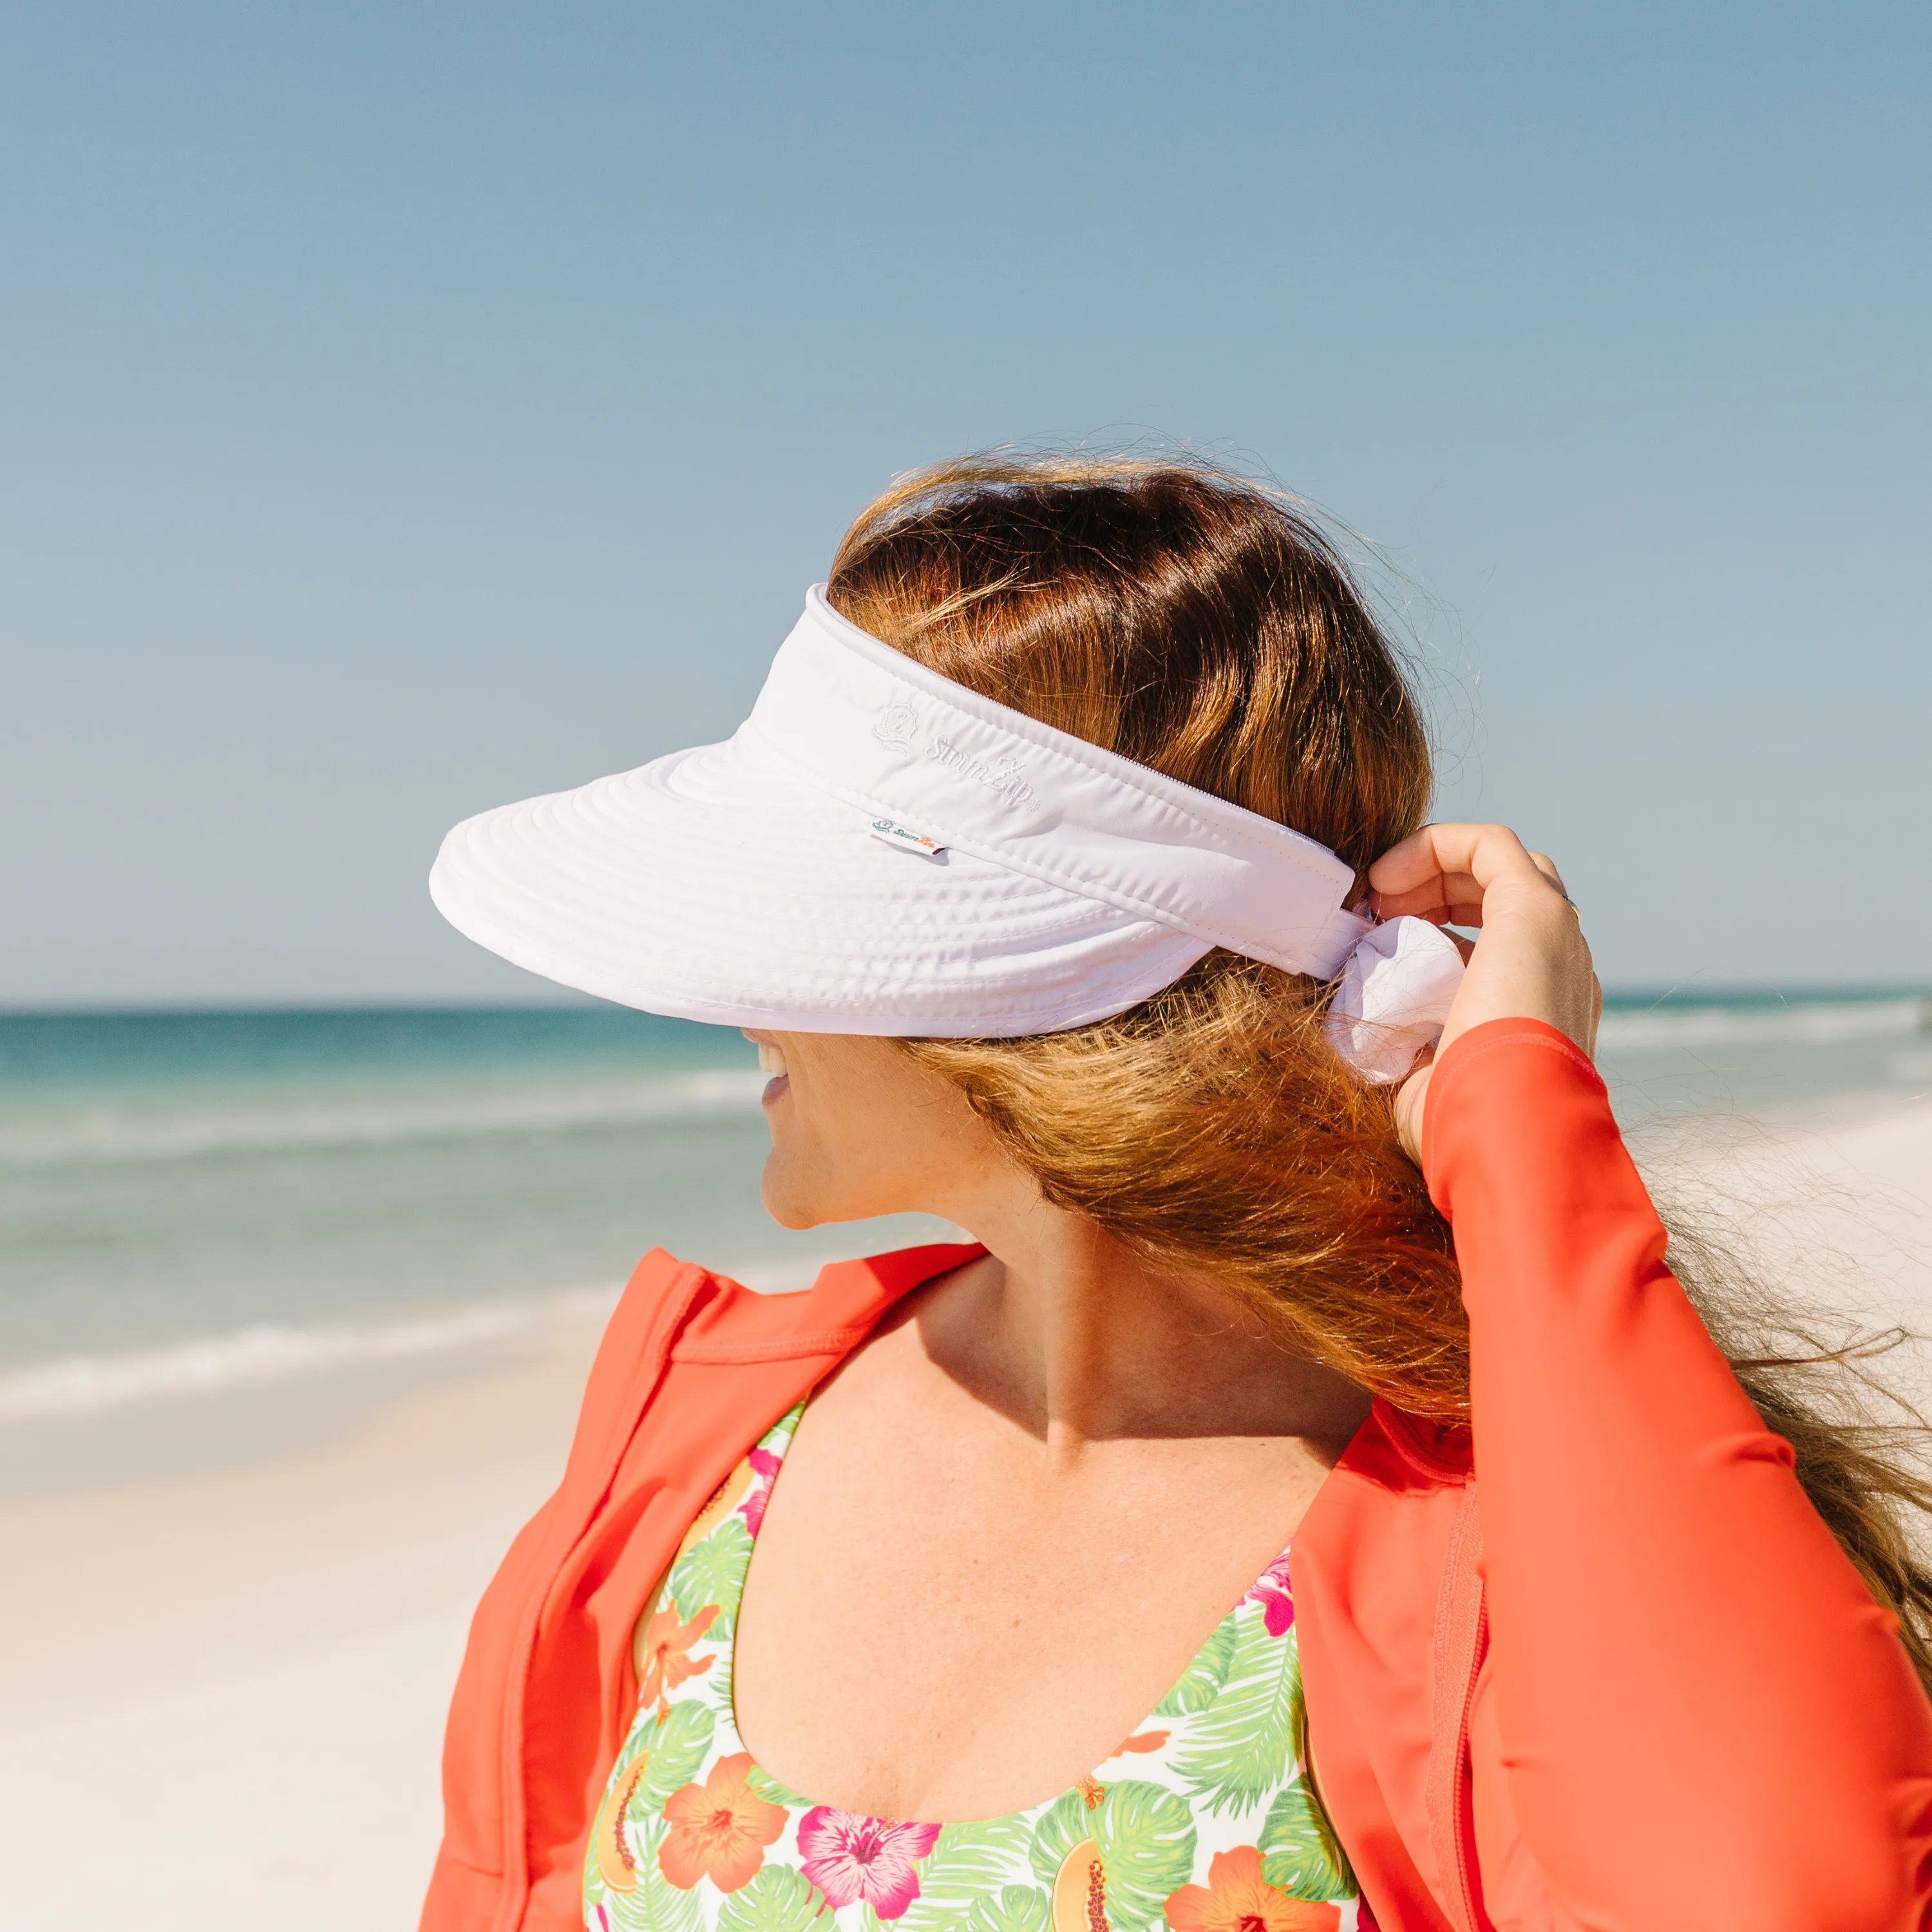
[(1703, 1718)]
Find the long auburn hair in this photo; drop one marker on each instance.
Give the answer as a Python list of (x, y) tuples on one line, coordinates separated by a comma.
[(1204, 626)]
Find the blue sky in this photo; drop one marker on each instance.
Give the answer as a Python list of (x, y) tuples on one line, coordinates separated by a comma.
[(409, 408)]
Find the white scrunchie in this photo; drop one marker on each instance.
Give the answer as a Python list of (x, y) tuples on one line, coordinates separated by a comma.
[(1394, 997)]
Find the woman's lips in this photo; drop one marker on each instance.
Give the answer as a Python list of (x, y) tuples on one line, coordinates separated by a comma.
[(772, 1060)]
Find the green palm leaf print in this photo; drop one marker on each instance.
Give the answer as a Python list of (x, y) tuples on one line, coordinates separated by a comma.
[(777, 1900), (677, 1747), (713, 1571), (1145, 1836), (1299, 1856), (1239, 1749), (967, 1861), (656, 1905), (768, 1788), (1013, 1908), (715, 1684), (1062, 1826), (1203, 1677)]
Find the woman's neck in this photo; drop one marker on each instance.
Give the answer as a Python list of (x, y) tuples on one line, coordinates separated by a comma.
[(1079, 1339)]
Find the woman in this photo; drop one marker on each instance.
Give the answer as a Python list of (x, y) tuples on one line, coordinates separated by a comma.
[(1310, 1501)]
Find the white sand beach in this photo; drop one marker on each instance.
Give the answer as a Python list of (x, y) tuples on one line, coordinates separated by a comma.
[(232, 1621), (222, 1695)]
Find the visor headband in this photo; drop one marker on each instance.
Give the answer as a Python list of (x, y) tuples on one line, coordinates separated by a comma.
[(856, 719)]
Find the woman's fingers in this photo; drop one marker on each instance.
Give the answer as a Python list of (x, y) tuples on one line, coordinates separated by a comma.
[(1547, 867), (1443, 873), (1531, 961), (1444, 898), (1484, 854)]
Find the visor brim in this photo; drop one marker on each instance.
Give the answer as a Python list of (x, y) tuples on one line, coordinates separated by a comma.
[(712, 885)]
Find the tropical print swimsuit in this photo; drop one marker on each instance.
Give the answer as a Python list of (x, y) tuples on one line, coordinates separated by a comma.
[(1202, 1821)]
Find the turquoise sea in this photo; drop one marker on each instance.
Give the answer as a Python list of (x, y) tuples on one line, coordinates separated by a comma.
[(190, 1198)]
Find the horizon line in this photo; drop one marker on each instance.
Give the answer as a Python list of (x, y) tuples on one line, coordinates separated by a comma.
[(1657, 991)]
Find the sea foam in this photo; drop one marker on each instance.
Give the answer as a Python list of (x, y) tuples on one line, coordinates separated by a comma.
[(78, 1385), (121, 1131), (86, 1384)]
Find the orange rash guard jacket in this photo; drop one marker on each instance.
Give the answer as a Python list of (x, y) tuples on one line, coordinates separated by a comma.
[(1625, 1682)]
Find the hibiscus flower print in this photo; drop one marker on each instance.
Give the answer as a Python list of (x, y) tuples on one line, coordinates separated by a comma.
[(1236, 1898), (1272, 1594), (850, 1858), (719, 1829), (764, 1467), (663, 1652)]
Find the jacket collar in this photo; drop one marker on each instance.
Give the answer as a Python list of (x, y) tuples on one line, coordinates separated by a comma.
[(727, 1322)]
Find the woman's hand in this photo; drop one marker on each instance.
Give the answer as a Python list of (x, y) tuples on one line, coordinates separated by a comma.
[(1529, 962)]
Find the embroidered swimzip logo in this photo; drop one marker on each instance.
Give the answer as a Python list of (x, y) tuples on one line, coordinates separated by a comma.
[(889, 832), (1001, 777), (897, 724)]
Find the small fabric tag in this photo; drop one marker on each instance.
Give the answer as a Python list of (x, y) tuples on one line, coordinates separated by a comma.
[(905, 839)]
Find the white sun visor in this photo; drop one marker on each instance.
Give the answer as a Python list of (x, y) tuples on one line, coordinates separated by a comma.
[(878, 850)]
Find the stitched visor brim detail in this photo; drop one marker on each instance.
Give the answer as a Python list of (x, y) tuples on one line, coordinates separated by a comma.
[(712, 885), (1042, 883)]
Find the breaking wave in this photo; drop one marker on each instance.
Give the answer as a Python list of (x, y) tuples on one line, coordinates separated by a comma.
[(129, 1131), (1822, 1024)]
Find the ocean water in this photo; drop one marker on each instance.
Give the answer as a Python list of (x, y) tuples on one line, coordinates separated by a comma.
[(1690, 1053), (189, 1198), (192, 1202)]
